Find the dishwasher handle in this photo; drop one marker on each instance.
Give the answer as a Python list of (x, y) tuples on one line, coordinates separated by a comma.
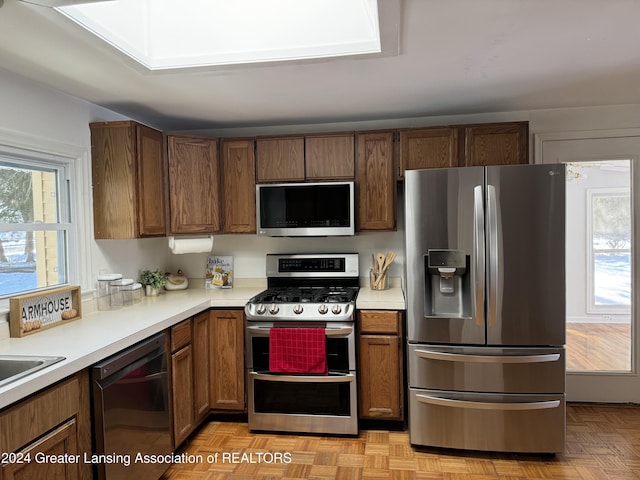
[(122, 360)]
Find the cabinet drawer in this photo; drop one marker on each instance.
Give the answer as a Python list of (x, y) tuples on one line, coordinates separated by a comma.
[(379, 321), (31, 418), (180, 335)]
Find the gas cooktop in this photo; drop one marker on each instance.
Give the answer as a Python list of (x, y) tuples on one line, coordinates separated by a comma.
[(319, 287)]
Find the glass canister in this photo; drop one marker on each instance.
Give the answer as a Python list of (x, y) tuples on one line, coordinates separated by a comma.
[(131, 293), (116, 291), (104, 289)]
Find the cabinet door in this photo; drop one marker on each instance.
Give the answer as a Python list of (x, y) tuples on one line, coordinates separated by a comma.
[(152, 183), (376, 181), (113, 146), (380, 364), (194, 185), (280, 159), (182, 394), (61, 441), (379, 367), (496, 144), (329, 157), (226, 344), (238, 186), (200, 346), (428, 148)]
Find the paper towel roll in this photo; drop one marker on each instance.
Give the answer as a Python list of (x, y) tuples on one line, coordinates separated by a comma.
[(191, 244)]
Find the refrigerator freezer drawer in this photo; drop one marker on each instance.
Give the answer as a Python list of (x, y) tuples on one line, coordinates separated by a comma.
[(487, 422), (487, 369)]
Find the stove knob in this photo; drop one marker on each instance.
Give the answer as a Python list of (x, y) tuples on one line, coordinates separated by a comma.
[(260, 309), (297, 309), (322, 309), (336, 309), (273, 309)]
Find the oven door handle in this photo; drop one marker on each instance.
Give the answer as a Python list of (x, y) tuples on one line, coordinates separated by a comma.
[(329, 331), (350, 377)]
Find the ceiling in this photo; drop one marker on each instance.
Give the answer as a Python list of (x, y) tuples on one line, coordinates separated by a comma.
[(439, 58)]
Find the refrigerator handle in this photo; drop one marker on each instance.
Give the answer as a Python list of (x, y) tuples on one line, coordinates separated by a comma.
[(450, 402), (479, 255), (502, 359), (492, 238)]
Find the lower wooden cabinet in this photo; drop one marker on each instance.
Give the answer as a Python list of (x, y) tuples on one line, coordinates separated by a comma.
[(226, 354), (381, 384), (189, 375), (54, 422)]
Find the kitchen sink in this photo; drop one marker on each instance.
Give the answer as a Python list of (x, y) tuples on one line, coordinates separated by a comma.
[(13, 367)]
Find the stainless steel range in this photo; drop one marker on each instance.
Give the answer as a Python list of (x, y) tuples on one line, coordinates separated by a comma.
[(310, 300)]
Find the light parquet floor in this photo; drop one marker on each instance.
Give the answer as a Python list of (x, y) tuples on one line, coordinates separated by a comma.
[(603, 443)]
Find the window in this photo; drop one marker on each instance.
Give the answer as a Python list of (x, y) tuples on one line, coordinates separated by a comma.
[(36, 231), (610, 252)]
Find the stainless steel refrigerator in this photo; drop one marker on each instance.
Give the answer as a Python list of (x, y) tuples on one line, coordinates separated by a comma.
[(485, 288)]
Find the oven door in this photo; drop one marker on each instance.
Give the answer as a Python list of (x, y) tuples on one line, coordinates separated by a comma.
[(303, 403), (340, 344)]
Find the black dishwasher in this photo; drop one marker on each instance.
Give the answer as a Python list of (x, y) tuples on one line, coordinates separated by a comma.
[(131, 415)]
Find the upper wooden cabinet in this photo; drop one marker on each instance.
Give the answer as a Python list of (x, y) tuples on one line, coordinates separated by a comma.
[(129, 181), (435, 147), (280, 159), (375, 181), (238, 186), (194, 185), (329, 157), (496, 144)]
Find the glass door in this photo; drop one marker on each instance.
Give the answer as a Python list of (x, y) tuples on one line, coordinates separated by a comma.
[(601, 247)]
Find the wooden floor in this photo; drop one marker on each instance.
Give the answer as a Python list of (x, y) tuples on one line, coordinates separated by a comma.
[(598, 346), (603, 442)]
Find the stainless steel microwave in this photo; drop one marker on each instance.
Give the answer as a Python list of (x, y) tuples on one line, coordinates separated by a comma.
[(305, 209)]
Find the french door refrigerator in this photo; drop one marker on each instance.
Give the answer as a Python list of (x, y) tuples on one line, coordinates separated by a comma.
[(485, 288)]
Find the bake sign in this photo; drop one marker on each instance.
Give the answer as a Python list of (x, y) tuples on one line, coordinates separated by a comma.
[(46, 309)]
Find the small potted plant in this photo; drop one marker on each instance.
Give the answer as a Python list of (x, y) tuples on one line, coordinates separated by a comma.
[(153, 280)]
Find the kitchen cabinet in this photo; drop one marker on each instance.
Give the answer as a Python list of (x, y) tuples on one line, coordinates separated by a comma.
[(329, 157), (238, 186), (375, 181), (129, 181), (495, 144), (380, 365), (189, 375), (55, 421), (435, 147), (182, 392), (280, 159), (226, 356), (200, 344), (194, 185)]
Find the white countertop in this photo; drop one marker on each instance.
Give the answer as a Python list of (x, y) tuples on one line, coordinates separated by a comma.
[(99, 334)]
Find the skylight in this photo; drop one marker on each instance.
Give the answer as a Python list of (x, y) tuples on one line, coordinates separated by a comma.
[(166, 34)]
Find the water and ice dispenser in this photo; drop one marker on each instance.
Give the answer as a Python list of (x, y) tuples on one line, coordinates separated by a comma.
[(447, 284)]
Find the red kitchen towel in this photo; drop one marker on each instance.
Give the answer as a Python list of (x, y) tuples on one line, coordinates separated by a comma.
[(297, 350)]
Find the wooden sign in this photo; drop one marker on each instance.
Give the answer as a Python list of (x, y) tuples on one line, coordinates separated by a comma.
[(35, 312)]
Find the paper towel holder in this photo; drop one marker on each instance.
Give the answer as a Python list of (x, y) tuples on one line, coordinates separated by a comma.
[(180, 245)]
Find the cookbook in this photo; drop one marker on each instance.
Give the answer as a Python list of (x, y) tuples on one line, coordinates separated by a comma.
[(219, 272)]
